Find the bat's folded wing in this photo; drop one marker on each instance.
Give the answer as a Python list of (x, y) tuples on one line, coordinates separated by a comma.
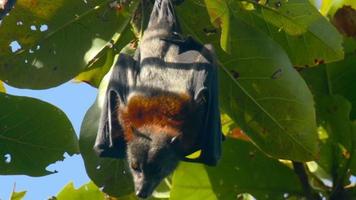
[(110, 141), (205, 88)]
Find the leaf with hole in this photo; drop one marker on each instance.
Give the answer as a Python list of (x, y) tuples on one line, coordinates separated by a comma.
[(46, 43), (33, 134), (88, 191)]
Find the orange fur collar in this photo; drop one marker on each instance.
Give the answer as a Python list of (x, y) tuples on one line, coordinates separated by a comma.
[(157, 114)]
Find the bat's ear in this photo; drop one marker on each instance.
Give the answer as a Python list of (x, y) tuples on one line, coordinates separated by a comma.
[(110, 140)]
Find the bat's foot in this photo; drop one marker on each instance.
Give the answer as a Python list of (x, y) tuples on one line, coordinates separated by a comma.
[(175, 38)]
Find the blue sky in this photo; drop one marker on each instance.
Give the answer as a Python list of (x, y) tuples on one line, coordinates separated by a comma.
[(74, 99)]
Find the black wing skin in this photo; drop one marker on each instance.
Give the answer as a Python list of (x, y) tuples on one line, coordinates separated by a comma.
[(7, 8), (166, 62), (110, 140), (205, 84), (211, 149)]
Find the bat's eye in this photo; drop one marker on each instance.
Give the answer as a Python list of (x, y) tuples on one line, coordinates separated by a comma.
[(135, 166)]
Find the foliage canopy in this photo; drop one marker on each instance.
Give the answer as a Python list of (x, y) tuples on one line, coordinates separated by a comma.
[(287, 91)]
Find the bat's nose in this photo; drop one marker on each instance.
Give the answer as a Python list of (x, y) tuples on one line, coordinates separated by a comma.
[(142, 194)]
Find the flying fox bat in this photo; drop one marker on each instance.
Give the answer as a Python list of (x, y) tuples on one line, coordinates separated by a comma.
[(162, 104)]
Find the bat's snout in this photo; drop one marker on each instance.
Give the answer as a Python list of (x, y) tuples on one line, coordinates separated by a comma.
[(145, 189)]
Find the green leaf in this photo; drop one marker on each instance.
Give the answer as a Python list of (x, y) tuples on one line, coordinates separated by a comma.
[(191, 181), (2, 87), (292, 16), (112, 175), (333, 114), (338, 148), (163, 189), (307, 36), (334, 78), (243, 169), (325, 6), (350, 46), (58, 39), (87, 191), (33, 134), (17, 195), (342, 80), (96, 72), (259, 89)]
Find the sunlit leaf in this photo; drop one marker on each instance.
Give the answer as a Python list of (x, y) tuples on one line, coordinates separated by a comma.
[(220, 16), (307, 36), (96, 72), (87, 191), (2, 87), (17, 195)]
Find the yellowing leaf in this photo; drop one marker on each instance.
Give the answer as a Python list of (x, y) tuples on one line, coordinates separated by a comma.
[(17, 195), (2, 88), (220, 16)]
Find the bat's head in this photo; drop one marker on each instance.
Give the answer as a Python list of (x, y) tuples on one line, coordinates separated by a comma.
[(151, 157)]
